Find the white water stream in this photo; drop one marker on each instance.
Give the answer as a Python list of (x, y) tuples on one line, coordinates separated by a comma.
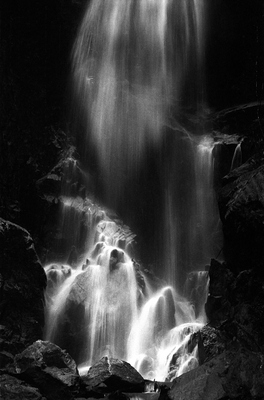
[(132, 62)]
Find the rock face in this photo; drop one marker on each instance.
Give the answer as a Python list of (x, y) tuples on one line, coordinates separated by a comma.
[(116, 375), (233, 374), (218, 306), (235, 307), (242, 213), (22, 284)]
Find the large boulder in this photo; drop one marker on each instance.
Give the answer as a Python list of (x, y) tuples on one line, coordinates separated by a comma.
[(236, 374), (50, 369), (115, 375), (22, 284)]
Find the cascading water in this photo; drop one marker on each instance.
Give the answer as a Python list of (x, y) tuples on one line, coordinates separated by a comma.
[(132, 63), (106, 306), (131, 59)]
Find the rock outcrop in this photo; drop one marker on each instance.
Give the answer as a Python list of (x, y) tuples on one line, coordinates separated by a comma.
[(22, 285), (236, 374), (47, 367), (242, 213)]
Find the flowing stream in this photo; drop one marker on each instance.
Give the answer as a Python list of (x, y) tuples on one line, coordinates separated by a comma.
[(136, 65)]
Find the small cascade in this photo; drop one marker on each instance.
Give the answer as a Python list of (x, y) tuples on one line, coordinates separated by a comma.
[(191, 220), (237, 157), (207, 240), (104, 305)]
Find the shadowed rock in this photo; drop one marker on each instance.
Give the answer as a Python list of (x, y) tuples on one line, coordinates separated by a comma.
[(22, 284), (234, 374), (116, 375), (12, 388), (49, 368)]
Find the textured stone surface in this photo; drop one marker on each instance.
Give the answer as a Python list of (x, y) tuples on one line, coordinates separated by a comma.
[(242, 213), (218, 306), (234, 374), (12, 388), (22, 282), (49, 368), (116, 375)]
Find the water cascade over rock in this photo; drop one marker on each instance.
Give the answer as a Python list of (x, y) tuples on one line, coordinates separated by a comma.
[(104, 306), (136, 67)]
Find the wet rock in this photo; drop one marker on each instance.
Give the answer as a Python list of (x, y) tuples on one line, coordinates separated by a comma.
[(66, 173), (51, 369), (185, 352), (211, 343), (115, 375), (56, 275), (22, 284), (200, 383), (12, 388), (233, 374)]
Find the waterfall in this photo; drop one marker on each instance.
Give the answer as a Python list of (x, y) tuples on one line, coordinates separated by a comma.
[(192, 233), (104, 305), (136, 68), (131, 60)]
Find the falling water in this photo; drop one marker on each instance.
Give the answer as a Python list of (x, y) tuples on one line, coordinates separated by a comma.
[(136, 63), (106, 306), (131, 59), (192, 233), (237, 157)]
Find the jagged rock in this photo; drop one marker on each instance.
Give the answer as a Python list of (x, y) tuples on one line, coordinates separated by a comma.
[(233, 374), (211, 343), (22, 284), (235, 309), (241, 208), (248, 294), (51, 369), (65, 174), (116, 375), (12, 388)]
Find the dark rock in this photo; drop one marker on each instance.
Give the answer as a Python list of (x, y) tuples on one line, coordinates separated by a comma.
[(49, 368), (22, 285), (245, 375), (12, 388), (233, 374), (117, 395), (212, 342), (248, 300), (200, 383), (6, 359), (218, 307), (66, 178), (242, 213), (116, 375)]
